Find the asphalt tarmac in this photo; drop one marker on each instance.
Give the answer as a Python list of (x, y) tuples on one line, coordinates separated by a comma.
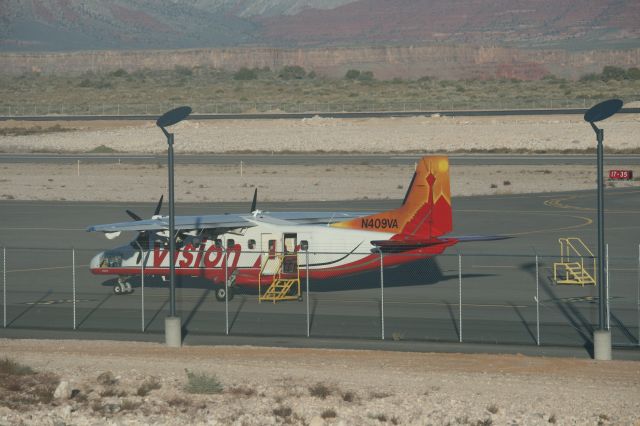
[(486, 293)]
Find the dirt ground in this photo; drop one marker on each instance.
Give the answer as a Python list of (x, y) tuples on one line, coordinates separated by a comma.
[(312, 386)]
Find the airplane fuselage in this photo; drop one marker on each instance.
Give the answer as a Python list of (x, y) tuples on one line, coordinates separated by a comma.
[(250, 254)]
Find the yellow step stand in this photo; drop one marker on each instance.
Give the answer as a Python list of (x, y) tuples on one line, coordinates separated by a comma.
[(282, 283), (577, 264)]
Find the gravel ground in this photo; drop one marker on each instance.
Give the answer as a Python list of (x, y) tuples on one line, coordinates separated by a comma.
[(264, 386), (411, 134)]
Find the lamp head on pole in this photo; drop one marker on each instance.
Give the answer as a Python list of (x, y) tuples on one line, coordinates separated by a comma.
[(172, 117), (602, 111)]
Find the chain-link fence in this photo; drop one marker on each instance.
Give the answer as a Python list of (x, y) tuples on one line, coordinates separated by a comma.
[(153, 109), (526, 299)]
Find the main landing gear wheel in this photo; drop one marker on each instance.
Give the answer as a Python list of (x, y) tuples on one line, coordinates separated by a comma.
[(122, 288), (221, 291)]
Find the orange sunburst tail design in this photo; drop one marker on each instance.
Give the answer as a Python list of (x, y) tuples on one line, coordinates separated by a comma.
[(426, 211)]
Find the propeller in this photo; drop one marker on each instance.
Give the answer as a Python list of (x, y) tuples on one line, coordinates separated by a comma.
[(144, 234), (133, 215), (254, 202), (159, 206)]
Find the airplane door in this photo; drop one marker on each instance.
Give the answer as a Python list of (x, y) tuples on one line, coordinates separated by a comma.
[(270, 249)]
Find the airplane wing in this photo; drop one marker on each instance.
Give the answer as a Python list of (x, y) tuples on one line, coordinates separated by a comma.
[(316, 218), (221, 221), (226, 221)]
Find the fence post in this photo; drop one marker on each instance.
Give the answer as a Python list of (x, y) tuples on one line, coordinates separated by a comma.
[(4, 286), (537, 303), (460, 297), (73, 271), (638, 296), (606, 251), (307, 275), (226, 290), (382, 293), (142, 290)]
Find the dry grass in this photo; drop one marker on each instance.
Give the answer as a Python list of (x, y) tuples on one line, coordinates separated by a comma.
[(241, 391), (33, 130)]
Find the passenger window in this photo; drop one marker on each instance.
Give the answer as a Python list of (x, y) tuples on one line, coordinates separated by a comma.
[(218, 242), (251, 244), (231, 243)]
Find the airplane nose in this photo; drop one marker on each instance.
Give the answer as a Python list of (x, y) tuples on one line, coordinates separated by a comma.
[(96, 260)]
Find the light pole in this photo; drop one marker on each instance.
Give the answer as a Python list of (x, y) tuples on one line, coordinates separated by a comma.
[(601, 336), (172, 324)]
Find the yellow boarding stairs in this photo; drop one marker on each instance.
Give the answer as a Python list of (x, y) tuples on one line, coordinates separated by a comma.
[(284, 274), (577, 264)]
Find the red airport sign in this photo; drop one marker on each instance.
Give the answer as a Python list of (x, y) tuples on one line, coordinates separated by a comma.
[(621, 174)]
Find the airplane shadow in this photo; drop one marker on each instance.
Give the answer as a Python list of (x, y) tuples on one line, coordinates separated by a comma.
[(419, 273)]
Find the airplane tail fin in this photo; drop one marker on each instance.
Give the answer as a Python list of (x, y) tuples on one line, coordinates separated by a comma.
[(426, 210)]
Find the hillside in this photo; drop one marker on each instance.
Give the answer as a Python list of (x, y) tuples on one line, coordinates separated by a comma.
[(63, 25), (522, 22)]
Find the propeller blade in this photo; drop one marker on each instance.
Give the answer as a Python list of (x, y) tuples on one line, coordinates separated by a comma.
[(159, 206), (133, 215), (255, 201)]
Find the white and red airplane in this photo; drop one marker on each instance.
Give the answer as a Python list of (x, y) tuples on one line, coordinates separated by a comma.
[(267, 250)]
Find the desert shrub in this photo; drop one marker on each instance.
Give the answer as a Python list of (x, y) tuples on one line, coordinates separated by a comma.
[(283, 412), (348, 396), (366, 76), (148, 385), (128, 405), (111, 391), (292, 72), (202, 383), (319, 390), (352, 74), (245, 73), (329, 414), (118, 73), (102, 149), (107, 379), (493, 409), (26, 389), (10, 367), (182, 71)]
